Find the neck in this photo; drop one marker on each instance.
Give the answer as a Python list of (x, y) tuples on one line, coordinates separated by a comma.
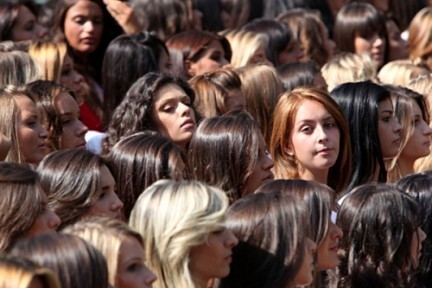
[(320, 176), (406, 166)]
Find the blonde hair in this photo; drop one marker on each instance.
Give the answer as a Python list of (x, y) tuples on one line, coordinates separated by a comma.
[(18, 272), (419, 40), (106, 235), (261, 87), (175, 217), (244, 45), (18, 68), (49, 58), (400, 72), (348, 67)]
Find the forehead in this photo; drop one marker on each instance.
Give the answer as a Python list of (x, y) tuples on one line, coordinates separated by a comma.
[(86, 7), (168, 91)]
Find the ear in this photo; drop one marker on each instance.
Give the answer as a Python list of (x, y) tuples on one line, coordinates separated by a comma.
[(188, 68), (289, 150)]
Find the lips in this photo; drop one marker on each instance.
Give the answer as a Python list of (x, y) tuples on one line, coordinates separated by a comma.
[(82, 145), (188, 124), (270, 177), (397, 141)]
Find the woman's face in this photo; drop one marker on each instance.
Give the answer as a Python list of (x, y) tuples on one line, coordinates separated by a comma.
[(374, 46), (327, 257), (107, 204), (260, 56), (71, 79), (131, 271), (31, 134), (290, 54), (398, 46), (212, 59), (26, 26), (416, 246), (305, 275), (73, 129), (315, 139), (47, 221), (262, 172), (83, 26), (165, 64), (388, 129), (173, 115), (418, 144), (212, 259)]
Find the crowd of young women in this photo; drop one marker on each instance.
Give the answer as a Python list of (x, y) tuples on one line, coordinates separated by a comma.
[(210, 143)]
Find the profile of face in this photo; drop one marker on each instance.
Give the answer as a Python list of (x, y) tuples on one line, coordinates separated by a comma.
[(212, 59), (36, 283), (262, 172), (73, 132), (72, 79), (83, 26), (416, 246), (212, 259), (31, 134), (47, 221), (329, 44), (235, 100), (388, 129), (314, 139), (373, 45), (173, 115), (418, 144), (107, 204), (26, 26), (131, 270), (290, 54), (327, 257), (260, 56), (165, 64), (305, 275)]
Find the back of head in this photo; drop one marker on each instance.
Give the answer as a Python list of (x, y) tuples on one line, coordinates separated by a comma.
[(140, 160), (400, 72), (71, 179), (176, 216), (20, 202), (378, 222), (75, 262), (49, 57), (233, 140), (18, 272), (298, 74), (269, 227), (18, 69), (244, 45)]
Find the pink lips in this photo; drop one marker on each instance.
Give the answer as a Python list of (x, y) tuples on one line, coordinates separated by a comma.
[(188, 124)]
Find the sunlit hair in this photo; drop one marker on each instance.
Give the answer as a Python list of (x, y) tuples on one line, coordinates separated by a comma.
[(378, 222), (286, 166), (174, 217), (106, 235), (18, 272), (71, 179), (212, 91), (359, 103), (270, 229), (244, 45), (402, 100), (348, 67), (45, 94), (18, 68), (419, 187), (359, 19), (190, 46), (20, 202), (9, 120), (423, 85), (233, 140), (49, 57), (261, 87), (140, 160), (419, 42), (75, 262), (298, 74), (134, 114), (308, 30), (400, 72)]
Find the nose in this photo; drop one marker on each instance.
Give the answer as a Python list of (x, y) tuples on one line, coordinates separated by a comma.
[(322, 136), (225, 63), (310, 245), (184, 109), (82, 129), (231, 239), (335, 231), (269, 161), (149, 277), (378, 42), (116, 204), (41, 31), (422, 235), (427, 131), (88, 26), (397, 128), (299, 53), (43, 133), (77, 78), (53, 220)]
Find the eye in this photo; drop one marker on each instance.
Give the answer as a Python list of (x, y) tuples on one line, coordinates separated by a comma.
[(329, 124), (386, 119), (80, 20), (306, 129), (219, 231), (134, 267)]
